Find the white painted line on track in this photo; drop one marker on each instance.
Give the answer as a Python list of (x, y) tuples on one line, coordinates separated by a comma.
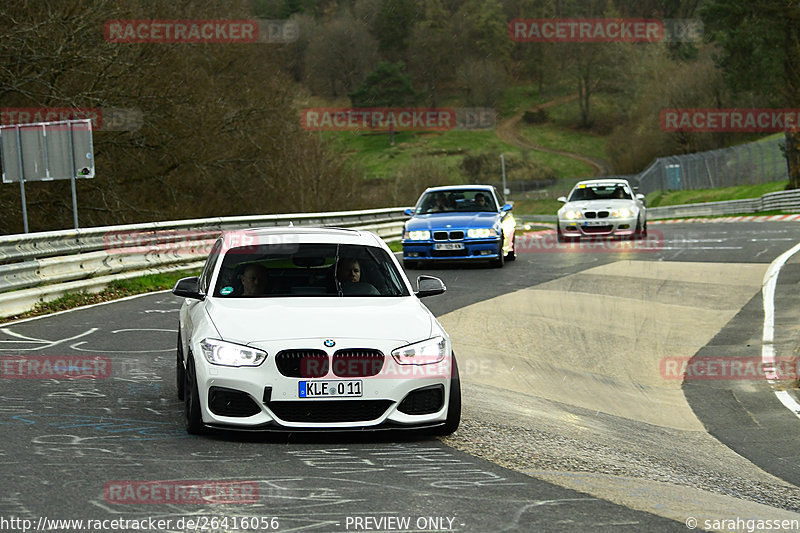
[(768, 334)]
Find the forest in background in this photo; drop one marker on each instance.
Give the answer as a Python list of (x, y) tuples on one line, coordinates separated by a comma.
[(221, 134)]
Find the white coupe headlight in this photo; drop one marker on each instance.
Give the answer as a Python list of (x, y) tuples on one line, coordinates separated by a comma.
[(418, 235), (218, 352), (426, 352), (481, 233), (572, 215), (622, 213)]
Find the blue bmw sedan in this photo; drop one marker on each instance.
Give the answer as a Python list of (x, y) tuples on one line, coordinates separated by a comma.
[(459, 222)]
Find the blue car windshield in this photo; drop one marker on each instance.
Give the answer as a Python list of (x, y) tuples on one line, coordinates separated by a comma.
[(456, 200)]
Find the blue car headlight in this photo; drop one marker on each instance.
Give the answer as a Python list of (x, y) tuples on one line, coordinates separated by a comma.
[(481, 233), (218, 352), (418, 235)]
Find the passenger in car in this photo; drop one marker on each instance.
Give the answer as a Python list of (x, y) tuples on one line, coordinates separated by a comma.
[(254, 280), (348, 272), (441, 203)]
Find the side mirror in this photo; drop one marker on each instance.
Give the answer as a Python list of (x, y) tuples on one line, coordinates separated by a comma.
[(562, 199), (409, 211), (429, 286), (507, 207), (642, 197), (188, 288)]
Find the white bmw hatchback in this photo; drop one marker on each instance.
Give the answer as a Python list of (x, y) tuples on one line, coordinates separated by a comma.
[(312, 329)]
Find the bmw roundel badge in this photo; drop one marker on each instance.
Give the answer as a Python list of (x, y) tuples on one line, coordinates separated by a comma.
[(329, 343)]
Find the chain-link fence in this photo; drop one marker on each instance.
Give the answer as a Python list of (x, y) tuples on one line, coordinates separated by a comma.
[(746, 164)]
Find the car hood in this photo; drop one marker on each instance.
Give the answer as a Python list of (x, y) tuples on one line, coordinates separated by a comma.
[(253, 320), (594, 205), (434, 221)]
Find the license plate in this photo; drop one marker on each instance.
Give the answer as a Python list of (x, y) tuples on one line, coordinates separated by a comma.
[(595, 223), (449, 246), (329, 389)]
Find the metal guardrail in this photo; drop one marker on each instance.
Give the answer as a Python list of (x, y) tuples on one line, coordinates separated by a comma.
[(773, 201), (42, 266)]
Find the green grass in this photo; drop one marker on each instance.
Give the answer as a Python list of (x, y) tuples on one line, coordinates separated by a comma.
[(380, 160), (740, 192), (569, 140)]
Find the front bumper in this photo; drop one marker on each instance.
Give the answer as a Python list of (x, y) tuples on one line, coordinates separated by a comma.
[(473, 249), (265, 399), (598, 227)]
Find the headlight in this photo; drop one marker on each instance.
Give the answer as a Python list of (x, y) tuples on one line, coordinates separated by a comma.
[(219, 352), (481, 233), (422, 353), (417, 235), (572, 215), (622, 213)]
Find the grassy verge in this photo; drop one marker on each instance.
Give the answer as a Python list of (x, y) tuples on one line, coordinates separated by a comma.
[(740, 192), (114, 291)]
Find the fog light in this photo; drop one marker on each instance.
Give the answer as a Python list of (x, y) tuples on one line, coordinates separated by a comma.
[(486, 252), (413, 254), (623, 226)]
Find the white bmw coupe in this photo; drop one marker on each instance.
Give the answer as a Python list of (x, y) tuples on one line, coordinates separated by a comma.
[(301, 328), (602, 208)]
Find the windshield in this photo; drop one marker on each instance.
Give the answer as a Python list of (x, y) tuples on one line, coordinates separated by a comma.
[(599, 192), (268, 271), (467, 200)]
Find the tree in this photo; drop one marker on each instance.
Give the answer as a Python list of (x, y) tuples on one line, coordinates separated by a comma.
[(431, 50), (340, 55), (760, 55), (387, 86)]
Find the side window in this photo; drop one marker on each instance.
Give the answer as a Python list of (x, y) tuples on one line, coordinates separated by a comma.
[(500, 199), (208, 270)]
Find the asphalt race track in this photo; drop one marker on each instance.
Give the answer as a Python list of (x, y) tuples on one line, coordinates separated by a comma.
[(571, 419)]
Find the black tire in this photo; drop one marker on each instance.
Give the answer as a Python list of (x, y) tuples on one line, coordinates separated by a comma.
[(512, 255), (559, 235), (501, 260), (192, 419), (644, 232), (637, 233), (180, 372), (454, 403)]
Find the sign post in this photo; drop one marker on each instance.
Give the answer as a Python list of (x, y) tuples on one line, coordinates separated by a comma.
[(46, 151)]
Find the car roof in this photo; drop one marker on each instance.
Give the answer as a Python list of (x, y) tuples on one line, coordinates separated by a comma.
[(613, 181), (300, 234), (445, 188)]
